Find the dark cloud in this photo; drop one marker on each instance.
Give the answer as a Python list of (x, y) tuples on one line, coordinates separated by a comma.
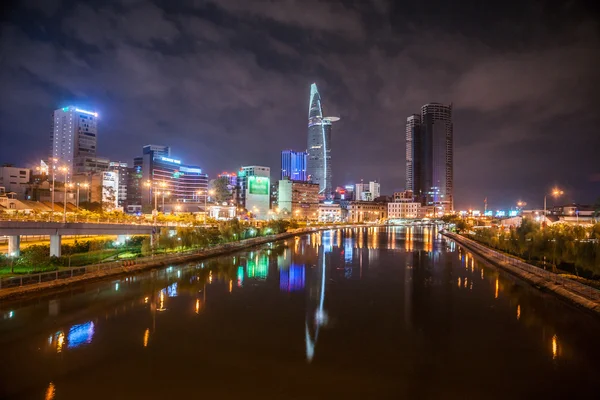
[(226, 83)]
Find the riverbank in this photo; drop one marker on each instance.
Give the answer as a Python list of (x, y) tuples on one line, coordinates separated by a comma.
[(98, 272), (574, 292)]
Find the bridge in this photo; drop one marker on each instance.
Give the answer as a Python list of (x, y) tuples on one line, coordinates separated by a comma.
[(55, 230)]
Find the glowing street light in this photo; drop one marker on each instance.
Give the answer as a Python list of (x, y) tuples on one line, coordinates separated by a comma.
[(66, 171), (555, 193)]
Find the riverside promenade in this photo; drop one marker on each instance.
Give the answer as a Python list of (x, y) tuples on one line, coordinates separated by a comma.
[(574, 292)]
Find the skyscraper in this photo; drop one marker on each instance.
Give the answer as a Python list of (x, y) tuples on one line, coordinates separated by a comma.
[(430, 155), (293, 165), (318, 166), (74, 136)]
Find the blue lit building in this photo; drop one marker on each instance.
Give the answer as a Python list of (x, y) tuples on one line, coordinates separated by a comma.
[(168, 177), (318, 165), (293, 165)]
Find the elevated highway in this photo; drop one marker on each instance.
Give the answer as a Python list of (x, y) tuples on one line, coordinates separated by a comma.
[(55, 230)]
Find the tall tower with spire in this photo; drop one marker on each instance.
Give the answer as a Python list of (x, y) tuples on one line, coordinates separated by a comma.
[(318, 166)]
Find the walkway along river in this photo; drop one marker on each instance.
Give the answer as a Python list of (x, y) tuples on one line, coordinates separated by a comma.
[(378, 313)]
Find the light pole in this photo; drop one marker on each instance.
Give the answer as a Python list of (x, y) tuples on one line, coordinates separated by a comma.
[(66, 171), (555, 193), (206, 193)]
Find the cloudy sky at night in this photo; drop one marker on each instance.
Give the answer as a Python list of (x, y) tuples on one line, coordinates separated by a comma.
[(226, 83)]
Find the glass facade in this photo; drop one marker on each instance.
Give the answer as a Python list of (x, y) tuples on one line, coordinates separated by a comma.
[(429, 155), (293, 165), (318, 165)]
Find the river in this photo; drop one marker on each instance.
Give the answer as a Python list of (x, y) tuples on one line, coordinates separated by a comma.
[(363, 313)]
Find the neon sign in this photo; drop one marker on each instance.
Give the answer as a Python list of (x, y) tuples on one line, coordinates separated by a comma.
[(170, 160), (95, 114)]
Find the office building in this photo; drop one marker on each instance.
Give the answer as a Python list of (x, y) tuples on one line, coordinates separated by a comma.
[(242, 181), (169, 180), (329, 212), (367, 191), (404, 209), (298, 199), (134, 187), (429, 155), (122, 170), (318, 164), (231, 179), (366, 211), (15, 180), (257, 197), (73, 137), (293, 165)]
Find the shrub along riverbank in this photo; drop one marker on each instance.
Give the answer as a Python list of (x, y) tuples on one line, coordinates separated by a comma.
[(36, 258), (559, 247)]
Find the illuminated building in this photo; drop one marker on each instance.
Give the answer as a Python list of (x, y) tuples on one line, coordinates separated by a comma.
[(73, 136), (134, 187), (170, 178), (329, 212), (366, 211), (430, 155), (121, 169), (293, 165), (14, 179), (403, 209), (231, 179), (298, 199), (318, 165), (367, 191), (242, 181)]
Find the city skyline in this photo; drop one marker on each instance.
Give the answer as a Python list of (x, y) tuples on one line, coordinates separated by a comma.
[(518, 133)]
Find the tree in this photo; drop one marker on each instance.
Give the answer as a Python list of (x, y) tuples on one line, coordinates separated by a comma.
[(220, 187)]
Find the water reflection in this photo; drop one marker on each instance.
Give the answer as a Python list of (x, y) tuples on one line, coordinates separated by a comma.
[(414, 300), (50, 392)]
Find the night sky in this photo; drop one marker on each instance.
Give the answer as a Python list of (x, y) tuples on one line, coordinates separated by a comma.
[(226, 83)]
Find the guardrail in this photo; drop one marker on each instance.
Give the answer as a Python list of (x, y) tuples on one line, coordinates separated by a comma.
[(41, 277), (580, 289)]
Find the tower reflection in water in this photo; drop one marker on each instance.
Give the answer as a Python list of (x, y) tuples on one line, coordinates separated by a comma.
[(316, 315)]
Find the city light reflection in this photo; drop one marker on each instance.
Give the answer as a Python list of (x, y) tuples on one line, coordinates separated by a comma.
[(146, 337), (197, 307), (80, 334), (60, 340), (497, 288), (518, 312), (554, 347), (50, 391)]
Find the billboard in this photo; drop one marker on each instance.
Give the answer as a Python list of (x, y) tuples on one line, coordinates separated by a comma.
[(258, 185), (110, 189)]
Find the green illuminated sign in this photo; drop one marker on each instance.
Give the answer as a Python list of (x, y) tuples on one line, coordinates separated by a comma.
[(258, 185)]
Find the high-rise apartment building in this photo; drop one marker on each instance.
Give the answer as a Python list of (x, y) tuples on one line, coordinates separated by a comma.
[(318, 165), (430, 156), (293, 165), (73, 136)]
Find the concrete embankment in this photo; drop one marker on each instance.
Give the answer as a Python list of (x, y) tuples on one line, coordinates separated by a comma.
[(115, 269), (571, 291)]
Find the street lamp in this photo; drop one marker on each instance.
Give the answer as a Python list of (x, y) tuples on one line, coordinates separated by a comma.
[(555, 193), (66, 171), (54, 161), (205, 193)]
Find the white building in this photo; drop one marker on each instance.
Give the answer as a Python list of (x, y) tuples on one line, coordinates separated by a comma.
[(15, 180), (242, 181), (74, 136), (403, 210), (367, 191), (329, 212)]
